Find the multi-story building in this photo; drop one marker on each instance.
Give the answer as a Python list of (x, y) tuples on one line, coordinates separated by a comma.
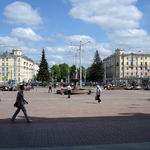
[(124, 67), (15, 66)]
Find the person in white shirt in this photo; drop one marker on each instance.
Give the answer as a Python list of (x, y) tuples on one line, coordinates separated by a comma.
[(69, 90), (98, 93)]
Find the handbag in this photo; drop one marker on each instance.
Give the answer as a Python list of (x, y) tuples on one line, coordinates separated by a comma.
[(16, 104), (96, 97)]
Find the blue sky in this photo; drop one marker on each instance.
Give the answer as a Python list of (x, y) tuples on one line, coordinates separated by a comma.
[(54, 24)]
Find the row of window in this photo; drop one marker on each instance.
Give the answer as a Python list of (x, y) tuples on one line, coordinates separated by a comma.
[(136, 68), (136, 58), (146, 74), (131, 63), (4, 59)]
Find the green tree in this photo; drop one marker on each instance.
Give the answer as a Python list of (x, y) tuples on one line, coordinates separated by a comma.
[(43, 73), (72, 71), (64, 71), (55, 72), (96, 71)]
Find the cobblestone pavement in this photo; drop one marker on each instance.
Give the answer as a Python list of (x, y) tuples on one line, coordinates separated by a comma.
[(123, 117)]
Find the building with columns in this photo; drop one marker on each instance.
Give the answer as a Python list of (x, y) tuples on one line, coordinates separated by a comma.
[(126, 67), (15, 66)]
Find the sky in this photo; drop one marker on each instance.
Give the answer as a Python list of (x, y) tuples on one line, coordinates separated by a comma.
[(58, 26)]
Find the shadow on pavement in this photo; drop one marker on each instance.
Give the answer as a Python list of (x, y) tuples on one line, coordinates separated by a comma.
[(54, 132)]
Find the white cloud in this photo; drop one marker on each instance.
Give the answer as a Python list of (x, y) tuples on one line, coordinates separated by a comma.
[(29, 50), (77, 38), (111, 14), (10, 42), (56, 49), (25, 34), (57, 57), (131, 39), (22, 13), (120, 19)]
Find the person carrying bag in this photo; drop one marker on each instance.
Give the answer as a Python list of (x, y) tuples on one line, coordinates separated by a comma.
[(19, 104)]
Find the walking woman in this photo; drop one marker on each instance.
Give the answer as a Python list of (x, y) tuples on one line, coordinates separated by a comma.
[(98, 93), (20, 102)]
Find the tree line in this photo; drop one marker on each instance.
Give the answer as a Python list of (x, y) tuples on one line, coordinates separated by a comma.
[(64, 72)]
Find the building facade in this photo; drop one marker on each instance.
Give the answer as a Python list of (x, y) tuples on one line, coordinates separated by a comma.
[(126, 67), (15, 66)]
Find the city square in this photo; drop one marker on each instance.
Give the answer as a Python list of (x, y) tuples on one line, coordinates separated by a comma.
[(122, 120), (74, 75)]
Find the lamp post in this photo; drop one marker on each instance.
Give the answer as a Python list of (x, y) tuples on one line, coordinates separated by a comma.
[(80, 57)]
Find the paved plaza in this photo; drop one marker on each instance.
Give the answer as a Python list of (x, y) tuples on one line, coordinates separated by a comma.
[(122, 120)]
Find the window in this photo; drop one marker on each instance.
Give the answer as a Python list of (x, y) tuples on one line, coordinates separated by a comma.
[(136, 68), (145, 73), (141, 58), (145, 63), (141, 63), (127, 63), (3, 64), (141, 68), (6, 59)]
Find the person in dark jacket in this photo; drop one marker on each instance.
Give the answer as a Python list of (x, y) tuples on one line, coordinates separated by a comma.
[(20, 102)]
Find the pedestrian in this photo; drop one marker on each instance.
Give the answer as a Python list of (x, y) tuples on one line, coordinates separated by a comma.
[(50, 88), (98, 93), (20, 102), (62, 89), (54, 87), (69, 90)]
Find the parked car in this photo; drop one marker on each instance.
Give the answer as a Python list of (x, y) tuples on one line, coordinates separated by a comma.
[(129, 87), (138, 87), (4, 88)]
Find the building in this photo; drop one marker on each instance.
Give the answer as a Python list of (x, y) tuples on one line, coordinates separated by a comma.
[(15, 66), (127, 67)]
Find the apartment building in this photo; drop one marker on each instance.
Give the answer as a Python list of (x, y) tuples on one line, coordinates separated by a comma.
[(122, 66), (16, 66)]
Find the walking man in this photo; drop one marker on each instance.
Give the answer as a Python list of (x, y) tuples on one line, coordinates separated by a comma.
[(20, 102)]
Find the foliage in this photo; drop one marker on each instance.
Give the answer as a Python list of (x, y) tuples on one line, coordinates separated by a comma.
[(55, 72), (43, 73), (64, 71), (96, 71), (73, 72)]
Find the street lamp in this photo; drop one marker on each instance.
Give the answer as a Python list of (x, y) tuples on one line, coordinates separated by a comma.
[(80, 57)]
